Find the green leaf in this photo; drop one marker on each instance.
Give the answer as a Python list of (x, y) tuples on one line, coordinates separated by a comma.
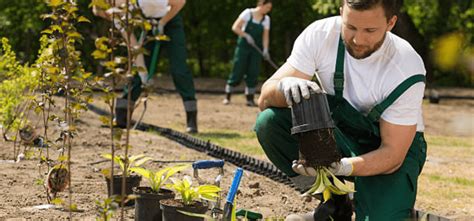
[(57, 201), (204, 216), (83, 19), (141, 171), (55, 3), (74, 35)]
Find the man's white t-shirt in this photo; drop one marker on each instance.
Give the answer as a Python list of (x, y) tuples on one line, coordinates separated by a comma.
[(154, 8), (368, 81), (245, 15)]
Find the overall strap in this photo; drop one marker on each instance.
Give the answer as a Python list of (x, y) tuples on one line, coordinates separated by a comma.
[(376, 112), (251, 18), (339, 74)]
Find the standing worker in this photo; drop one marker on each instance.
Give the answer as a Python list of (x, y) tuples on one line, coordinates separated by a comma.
[(374, 82), (253, 28), (164, 14)]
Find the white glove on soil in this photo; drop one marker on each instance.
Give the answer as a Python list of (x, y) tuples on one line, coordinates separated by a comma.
[(292, 86), (249, 39), (342, 168)]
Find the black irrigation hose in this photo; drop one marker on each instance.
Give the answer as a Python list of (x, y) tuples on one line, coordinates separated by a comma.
[(246, 162)]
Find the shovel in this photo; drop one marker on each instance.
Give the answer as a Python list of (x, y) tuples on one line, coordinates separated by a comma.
[(151, 68), (269, 60)]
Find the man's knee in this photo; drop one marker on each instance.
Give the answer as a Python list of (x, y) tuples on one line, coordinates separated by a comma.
[(272, 121), (264, 121)]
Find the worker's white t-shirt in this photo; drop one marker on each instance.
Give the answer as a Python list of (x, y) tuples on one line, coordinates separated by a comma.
[(245, 15), (368, 81), (154, 8)]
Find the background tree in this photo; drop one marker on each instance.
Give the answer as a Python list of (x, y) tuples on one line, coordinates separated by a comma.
[(211, 42)]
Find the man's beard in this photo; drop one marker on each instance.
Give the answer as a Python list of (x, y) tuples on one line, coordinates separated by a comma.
[(364, 51)]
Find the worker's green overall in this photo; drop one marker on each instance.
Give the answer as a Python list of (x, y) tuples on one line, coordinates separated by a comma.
[(176, 51), (382, 197), (247, 60)]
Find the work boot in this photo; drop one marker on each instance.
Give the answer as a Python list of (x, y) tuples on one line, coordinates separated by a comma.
[(250, 101), (191, 122), (226, 100), (121, 113)]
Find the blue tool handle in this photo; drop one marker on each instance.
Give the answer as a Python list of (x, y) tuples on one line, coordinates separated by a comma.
[(235, 185), (207, 164)]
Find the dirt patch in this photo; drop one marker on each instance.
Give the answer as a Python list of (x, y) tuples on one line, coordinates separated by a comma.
[(88, 184), (257, 193)]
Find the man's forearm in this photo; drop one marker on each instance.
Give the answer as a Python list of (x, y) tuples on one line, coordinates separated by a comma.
[(380, 161)]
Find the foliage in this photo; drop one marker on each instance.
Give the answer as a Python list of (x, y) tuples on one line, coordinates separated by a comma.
[(19, 22), (211, 43), (158, 178), (16, 87), (106, 208), (127, 163), (187, 193)]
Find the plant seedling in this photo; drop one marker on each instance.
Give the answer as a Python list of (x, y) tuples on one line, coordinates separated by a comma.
[(327, 187), (158, 178), (133, 162), (188, 193)]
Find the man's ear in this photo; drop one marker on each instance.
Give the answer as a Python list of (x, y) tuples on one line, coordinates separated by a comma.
[(340, 10), (391, 22)]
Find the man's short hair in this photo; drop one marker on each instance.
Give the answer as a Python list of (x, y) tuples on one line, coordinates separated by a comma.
[(390, 7)]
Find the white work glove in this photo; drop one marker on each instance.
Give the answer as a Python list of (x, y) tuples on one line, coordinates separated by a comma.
[(143, 78), (294, 88), (161, 28), (266, 54), (249, 39), (342, 168)]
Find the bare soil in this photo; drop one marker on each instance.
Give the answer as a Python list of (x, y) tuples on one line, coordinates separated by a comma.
[(20, 194)]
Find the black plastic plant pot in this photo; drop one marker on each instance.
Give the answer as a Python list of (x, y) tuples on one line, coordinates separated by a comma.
[(131, 182), (313, 127), (170, 209), (147, 203), (311, 114)]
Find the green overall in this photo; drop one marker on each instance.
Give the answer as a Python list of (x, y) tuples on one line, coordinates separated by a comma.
[(382, 197), (176, 51), (247, 60)]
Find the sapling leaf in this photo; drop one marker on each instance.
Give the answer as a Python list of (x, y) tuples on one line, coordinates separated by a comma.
[(83, 19), (142, 172), (204, 216)]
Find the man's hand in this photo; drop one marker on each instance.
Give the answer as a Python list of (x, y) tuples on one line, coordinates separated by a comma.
[(249, 39), (266, 54), (291, 87), (342, 168)]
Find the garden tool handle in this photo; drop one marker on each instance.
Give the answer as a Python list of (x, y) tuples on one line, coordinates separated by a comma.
[(231, 195), (235, 185), (250, 215), (266, 59), (207, 164)]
